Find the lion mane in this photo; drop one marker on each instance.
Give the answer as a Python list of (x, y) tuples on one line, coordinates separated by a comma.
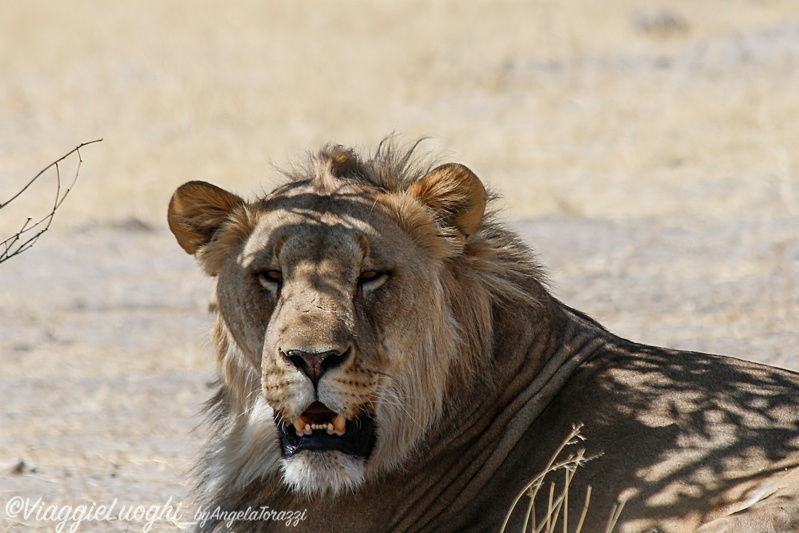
[(390, 359)]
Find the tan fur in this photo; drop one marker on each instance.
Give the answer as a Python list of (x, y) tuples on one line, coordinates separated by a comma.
[(471, 371)]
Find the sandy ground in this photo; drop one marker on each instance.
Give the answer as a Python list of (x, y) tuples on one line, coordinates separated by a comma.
[(648, 151)]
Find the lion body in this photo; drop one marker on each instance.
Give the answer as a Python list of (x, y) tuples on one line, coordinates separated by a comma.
[(390, 360)]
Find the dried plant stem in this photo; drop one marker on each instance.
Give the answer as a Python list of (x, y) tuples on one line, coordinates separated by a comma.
[(585, 509), (558, 505), (21, 241)]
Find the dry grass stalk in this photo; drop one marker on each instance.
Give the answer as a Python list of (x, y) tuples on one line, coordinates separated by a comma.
[(557, 507)]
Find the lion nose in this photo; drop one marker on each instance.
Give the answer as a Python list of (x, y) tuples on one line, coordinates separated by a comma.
[(314, 364)]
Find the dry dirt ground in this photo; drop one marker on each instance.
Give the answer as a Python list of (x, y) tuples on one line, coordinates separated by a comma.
[(647, 150)]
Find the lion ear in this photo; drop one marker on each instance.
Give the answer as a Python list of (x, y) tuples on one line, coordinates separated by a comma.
[(456, 194), (196, 211)]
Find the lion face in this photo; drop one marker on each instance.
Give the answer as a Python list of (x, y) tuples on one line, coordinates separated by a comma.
[(351, 343), (328, 337)]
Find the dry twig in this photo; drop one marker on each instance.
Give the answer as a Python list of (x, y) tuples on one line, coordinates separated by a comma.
[(29, 233)]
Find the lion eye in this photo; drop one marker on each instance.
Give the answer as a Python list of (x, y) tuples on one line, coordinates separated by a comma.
[(372, 278), (269, 278)]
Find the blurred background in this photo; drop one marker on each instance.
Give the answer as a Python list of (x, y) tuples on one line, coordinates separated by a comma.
[(648, 150)]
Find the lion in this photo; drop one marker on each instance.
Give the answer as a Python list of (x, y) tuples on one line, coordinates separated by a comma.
[(390, 359)]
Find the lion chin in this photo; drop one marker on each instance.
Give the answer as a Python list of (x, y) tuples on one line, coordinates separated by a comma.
[(323, 452), (316, 473)]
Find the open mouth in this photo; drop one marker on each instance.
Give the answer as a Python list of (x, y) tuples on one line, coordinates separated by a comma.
[(319, 428)]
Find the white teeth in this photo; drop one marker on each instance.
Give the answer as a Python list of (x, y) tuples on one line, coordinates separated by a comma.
[(337, 427)]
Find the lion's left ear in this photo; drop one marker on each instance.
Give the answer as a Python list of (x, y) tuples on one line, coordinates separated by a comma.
[(456, 194)]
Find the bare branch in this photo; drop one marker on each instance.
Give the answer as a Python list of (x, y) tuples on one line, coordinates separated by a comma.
[(29, 233)]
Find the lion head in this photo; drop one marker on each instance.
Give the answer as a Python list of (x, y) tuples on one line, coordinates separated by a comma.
[(353, 308)]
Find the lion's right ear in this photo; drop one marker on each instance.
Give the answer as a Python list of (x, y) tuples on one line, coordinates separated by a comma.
[(196, 211), (456, 194)]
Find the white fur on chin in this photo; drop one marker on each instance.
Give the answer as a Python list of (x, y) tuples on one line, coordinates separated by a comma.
[(317, 472)]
